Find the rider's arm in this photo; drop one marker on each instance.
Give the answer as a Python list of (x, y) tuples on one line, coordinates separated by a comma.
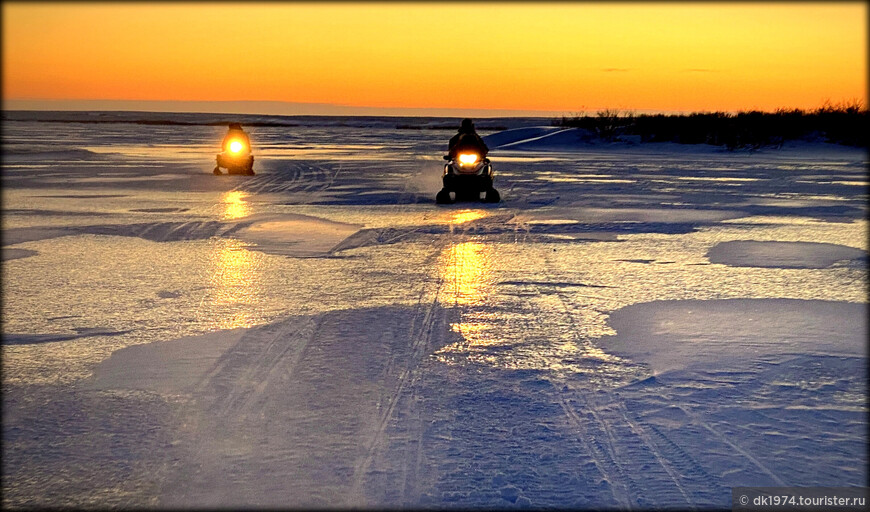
[(483, 145)]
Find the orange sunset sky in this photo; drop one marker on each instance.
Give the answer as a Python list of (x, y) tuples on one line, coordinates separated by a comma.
[(433, 58)]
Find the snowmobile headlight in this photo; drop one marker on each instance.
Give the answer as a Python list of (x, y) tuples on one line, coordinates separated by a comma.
[(467, 159), (236, 146)]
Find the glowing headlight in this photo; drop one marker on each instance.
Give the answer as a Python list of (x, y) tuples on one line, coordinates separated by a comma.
[(236, 146), (467, 159)]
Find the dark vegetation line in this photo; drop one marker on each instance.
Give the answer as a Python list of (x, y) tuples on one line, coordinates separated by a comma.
[(844, 123)]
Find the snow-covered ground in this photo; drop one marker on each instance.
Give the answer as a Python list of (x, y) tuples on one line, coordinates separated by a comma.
[(634, 326)]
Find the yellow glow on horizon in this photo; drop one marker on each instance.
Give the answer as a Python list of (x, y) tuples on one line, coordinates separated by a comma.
[(560, 57)]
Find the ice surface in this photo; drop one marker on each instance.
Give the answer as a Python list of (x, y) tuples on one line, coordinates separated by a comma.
[(171, 367), (13, 254), (634, 325), (671, 335), (750, 253)]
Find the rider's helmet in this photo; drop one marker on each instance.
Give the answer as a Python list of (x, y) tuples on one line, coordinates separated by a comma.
[(235, 126), (467, 125)]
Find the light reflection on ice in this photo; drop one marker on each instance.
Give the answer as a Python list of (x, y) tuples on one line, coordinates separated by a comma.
[(465, 269), (715, 178), (548, 318), (235, 205), (553, 222), (156, 151), (464, 216), (572, 179), (550, 301), (236, 284), (160, 291), (771, 219)]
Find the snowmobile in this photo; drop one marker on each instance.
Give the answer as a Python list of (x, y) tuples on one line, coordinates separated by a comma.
[(236, 159), (467, 176)]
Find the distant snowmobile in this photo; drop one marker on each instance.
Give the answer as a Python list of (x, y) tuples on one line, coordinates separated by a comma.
[(236, 156), (467, 176)]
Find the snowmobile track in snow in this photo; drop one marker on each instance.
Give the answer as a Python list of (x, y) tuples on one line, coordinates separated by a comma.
[(268, 355), (421, 336), (602, 452), (290, 177), (621, 437)]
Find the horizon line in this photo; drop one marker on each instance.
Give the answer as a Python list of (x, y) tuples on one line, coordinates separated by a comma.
[(287, 108)]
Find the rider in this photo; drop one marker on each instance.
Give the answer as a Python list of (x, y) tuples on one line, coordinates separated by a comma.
[(466, 140), (235, 132), (241, 158)]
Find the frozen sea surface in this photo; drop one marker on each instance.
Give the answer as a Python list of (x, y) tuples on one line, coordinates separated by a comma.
[(633, 326)]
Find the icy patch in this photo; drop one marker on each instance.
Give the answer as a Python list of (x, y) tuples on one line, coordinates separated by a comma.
[(165, 367), (601, 215), (557, 284), (297, 411), (86, 196), (748, 253), (295, 235), (47, 151), (281, 234), (675, 335), (127, 179), (53, 213), (20, 235), (160, 210), (31, 339), (553, 221), (14, 254)]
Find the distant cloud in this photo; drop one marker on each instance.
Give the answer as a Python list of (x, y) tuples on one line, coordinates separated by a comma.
[(612, 70)]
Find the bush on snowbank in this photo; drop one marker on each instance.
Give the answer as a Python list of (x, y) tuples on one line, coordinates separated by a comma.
[(843, 123)]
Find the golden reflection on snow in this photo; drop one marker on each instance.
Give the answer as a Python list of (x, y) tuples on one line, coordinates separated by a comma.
[(474, 333), (492, 335), (495, 331), (235, 205), (466, 269), (773, 219), (593, 352), (548, 304), (236, 285), (463, 216), (466, 272), (714, 178)]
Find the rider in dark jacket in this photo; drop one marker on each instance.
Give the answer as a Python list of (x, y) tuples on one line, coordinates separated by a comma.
[(466, 140), (235, 132), (240, 161)]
